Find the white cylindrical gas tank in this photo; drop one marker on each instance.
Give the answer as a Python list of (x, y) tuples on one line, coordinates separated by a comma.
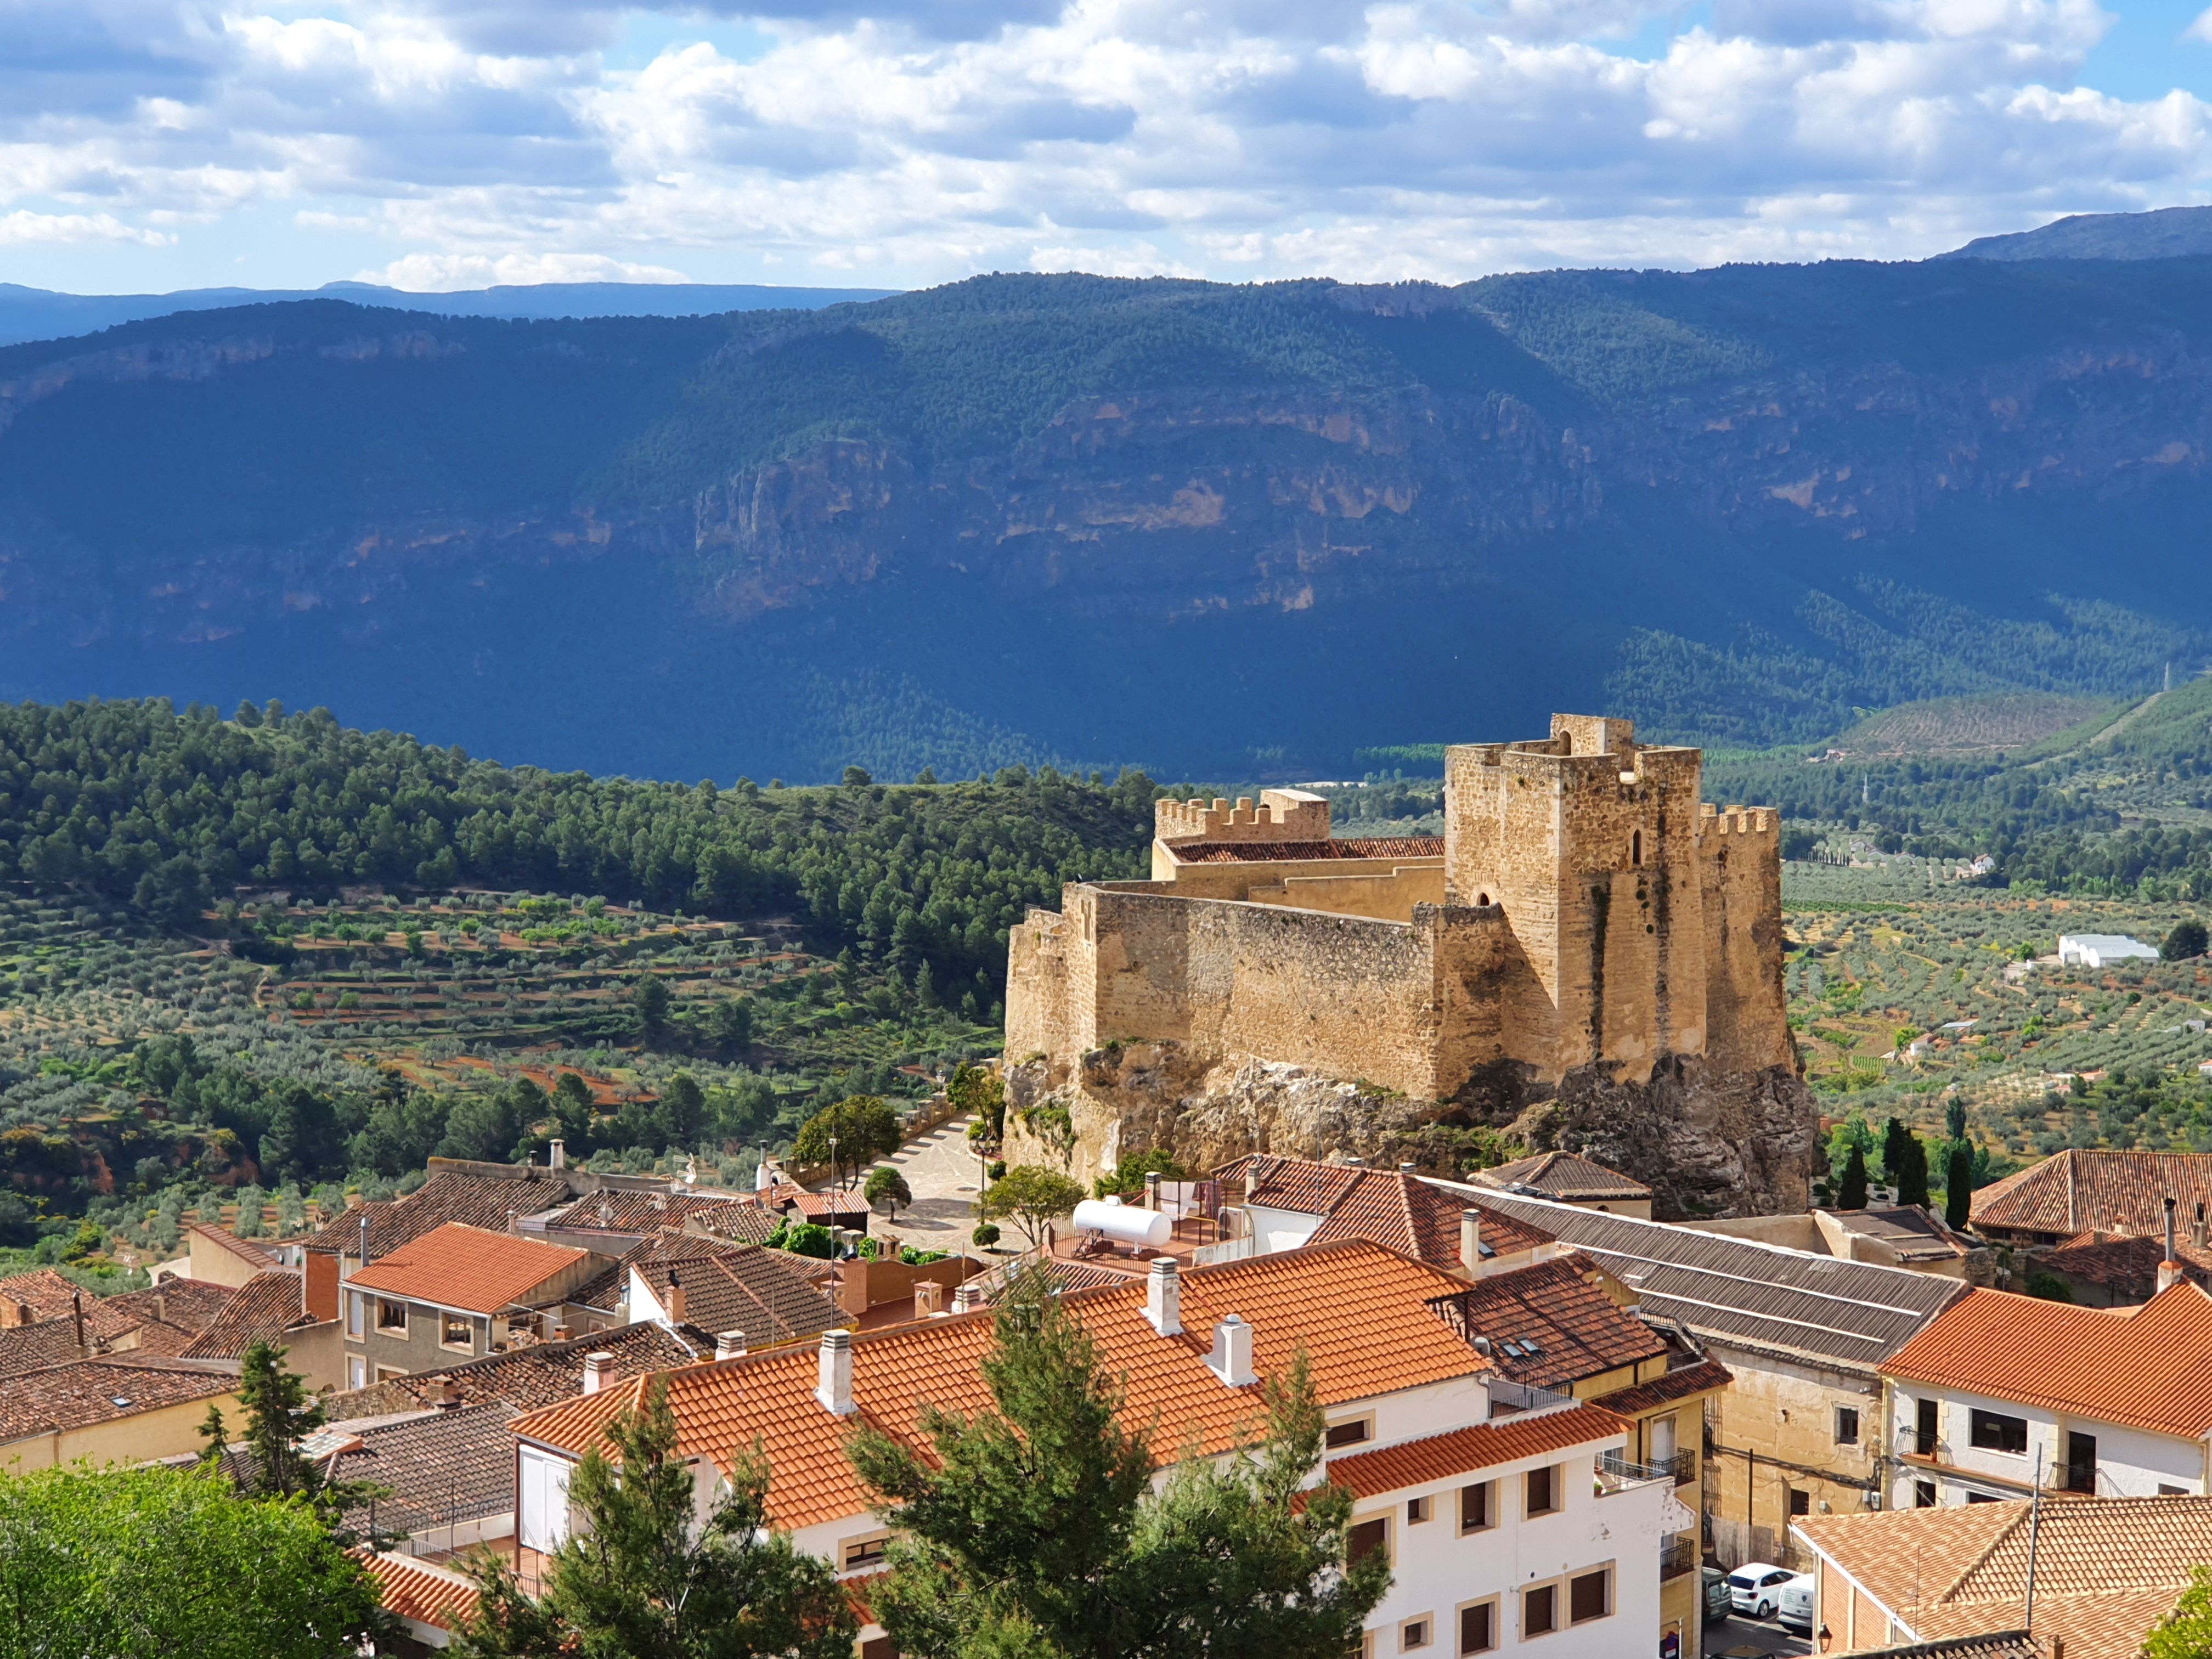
[(1124, 1222)]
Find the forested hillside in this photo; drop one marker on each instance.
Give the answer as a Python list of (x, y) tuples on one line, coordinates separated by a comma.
[(1087, 521)]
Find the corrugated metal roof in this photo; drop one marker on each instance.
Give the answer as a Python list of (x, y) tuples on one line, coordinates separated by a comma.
[(1735, 1289)]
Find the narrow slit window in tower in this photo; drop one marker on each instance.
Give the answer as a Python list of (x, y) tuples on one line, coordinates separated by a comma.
[(1636, 848)]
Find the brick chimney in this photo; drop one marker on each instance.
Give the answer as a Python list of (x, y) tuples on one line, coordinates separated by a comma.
[(834, 1389), (730, 1344), (675, 1298), (2169, 1271), (318, 1285), (448, 1397), (928, 1299), (1470, 1240), (1164, 1297), (1231, 1359), (76, 1303), (595, 1372)]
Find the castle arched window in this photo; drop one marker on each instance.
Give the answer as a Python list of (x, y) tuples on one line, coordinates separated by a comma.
[(1635, 847), (1482, 898)]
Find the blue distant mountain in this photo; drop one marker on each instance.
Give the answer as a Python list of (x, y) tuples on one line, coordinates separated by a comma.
[(37, 313), (2176, 233)]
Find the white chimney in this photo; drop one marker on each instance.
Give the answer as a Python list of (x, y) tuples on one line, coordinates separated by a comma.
[(835, 1390), (595, 1372), (1470, 1239), (557, 1154), (2169, 1270), (966, 1299), (1231, 1359), (730, 1344), (1164, 1297)]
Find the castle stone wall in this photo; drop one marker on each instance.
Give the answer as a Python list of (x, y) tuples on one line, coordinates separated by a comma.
[(1740, 869)]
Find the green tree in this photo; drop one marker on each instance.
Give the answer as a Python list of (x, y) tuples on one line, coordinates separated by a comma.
[(1852, 1189), (980, 1092), (1127, 1178), (2187, 941), (651, 1000), (150, 1563), (1029, 1195), (864, 1128), (280, 1413), (641, 1578), (1033, 1529), (683, 1111), (886, 1190), (1851, 1133), (1958, 1186), (1896, 1153), (2186, 1632), (1911, 1172), (575, 1113), (731, 1026)]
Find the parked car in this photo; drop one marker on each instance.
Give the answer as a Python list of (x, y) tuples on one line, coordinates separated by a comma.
[(1718, 1603), (1755, 1588), (1795, 1609)]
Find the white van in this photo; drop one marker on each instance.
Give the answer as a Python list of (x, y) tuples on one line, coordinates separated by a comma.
[(1795, 1610)]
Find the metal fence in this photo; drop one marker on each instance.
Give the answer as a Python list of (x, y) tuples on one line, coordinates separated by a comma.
[(1507, 1395)]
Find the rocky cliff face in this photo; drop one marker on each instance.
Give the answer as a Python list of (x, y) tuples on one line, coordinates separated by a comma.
[(1708, 1145)]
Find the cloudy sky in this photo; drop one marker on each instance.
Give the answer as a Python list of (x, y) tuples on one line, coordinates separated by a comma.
[(153, 145)]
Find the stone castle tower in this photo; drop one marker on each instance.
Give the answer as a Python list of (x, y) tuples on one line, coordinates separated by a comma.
[(1589, 955)]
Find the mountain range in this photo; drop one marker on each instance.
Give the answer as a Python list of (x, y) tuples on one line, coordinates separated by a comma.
[(1225, 531)]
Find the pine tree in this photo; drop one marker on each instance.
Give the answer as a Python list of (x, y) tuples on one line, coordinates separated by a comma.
[(1958, 1187), (1851, 1194), (643, 1578), (280, 1413)]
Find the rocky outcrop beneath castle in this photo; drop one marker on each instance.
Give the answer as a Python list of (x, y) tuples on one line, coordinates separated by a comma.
[(1709, 1144)]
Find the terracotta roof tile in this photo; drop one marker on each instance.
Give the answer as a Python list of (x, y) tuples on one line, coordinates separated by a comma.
[(745, 1224), (191, 1304), (828, 1208), (1678, 1385), (473, 1268), (2148, 1367), (448, 1195), (1409, 1215), (2107, 1569), (2127, 1266), (428, 1594), (1303, 852), (48, 1295), (434, 1466), (86, 1391), (34, 1347), (1567, 1176), (1359, 1310), (543, 1374), (261, 1310), (1479, 1446), (1999, 1644), (1552, 1324), (245, 1249), (611, 1211), (767, 1294), (2089, 1190)]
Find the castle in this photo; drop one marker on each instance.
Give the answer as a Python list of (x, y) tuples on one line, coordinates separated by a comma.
[(1589, 955)]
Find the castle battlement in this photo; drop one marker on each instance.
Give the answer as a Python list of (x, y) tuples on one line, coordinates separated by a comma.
[(1278, 814), (1739, 821)]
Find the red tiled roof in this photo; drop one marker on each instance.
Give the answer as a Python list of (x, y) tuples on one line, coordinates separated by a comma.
[(822, 1207), (767, 1294), (190, 1303), (2148, 1367), (644, 1213), (261, 1310), (475, 1201), (86, 1391), (1678, 1385), (1388, 1206), (1565, 1328), (51, 1297), (244, 1249), (1302, 852), (1479, 1446), (428, 1594), (1359, 1311), (471, 1268), (2127, 1265), (1567, 1176), (540, 1375), (2086, 1190)]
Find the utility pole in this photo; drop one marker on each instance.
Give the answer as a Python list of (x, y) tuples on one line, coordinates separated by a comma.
[(2034, 1523)]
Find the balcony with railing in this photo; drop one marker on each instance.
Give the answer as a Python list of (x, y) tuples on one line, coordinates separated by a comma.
[(1678, 1555), (1507, 1397), (1683, 1465), (1616, 1474)]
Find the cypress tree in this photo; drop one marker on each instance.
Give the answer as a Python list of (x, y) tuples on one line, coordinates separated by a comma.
[(1852, 1195), (1958, 1186)]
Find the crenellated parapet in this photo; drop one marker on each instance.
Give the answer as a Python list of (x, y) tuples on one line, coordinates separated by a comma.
[(1278, 814), (1739, 821)]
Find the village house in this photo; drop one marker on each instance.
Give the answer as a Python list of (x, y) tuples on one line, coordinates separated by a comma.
[(116, 1408), (1569, 1178), (453, 1294), (1511, 1515), (543, 1374), (2104, 1574), (1803, 1335), (1274, 1203), (271, 1307), (2082, 1190), (2002, 1392)]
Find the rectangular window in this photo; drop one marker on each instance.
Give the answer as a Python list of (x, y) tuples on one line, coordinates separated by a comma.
[(1416, 1633), (355, 1317), (1924, 1428), (2081, 1462), (858, 1553), (1981, 1498), (1800, 1501), (1478, 1507), (1847, 1426), (458, 1330), (1995, 1432), (1923, 1494), (1366, 1537), (1539, 1610), (1543, 1491), (1354, 1431), (356, 1371), (1478, 1626), (1589, 1596), (391, 1317), (2165, 1491), (1417, 1510)]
